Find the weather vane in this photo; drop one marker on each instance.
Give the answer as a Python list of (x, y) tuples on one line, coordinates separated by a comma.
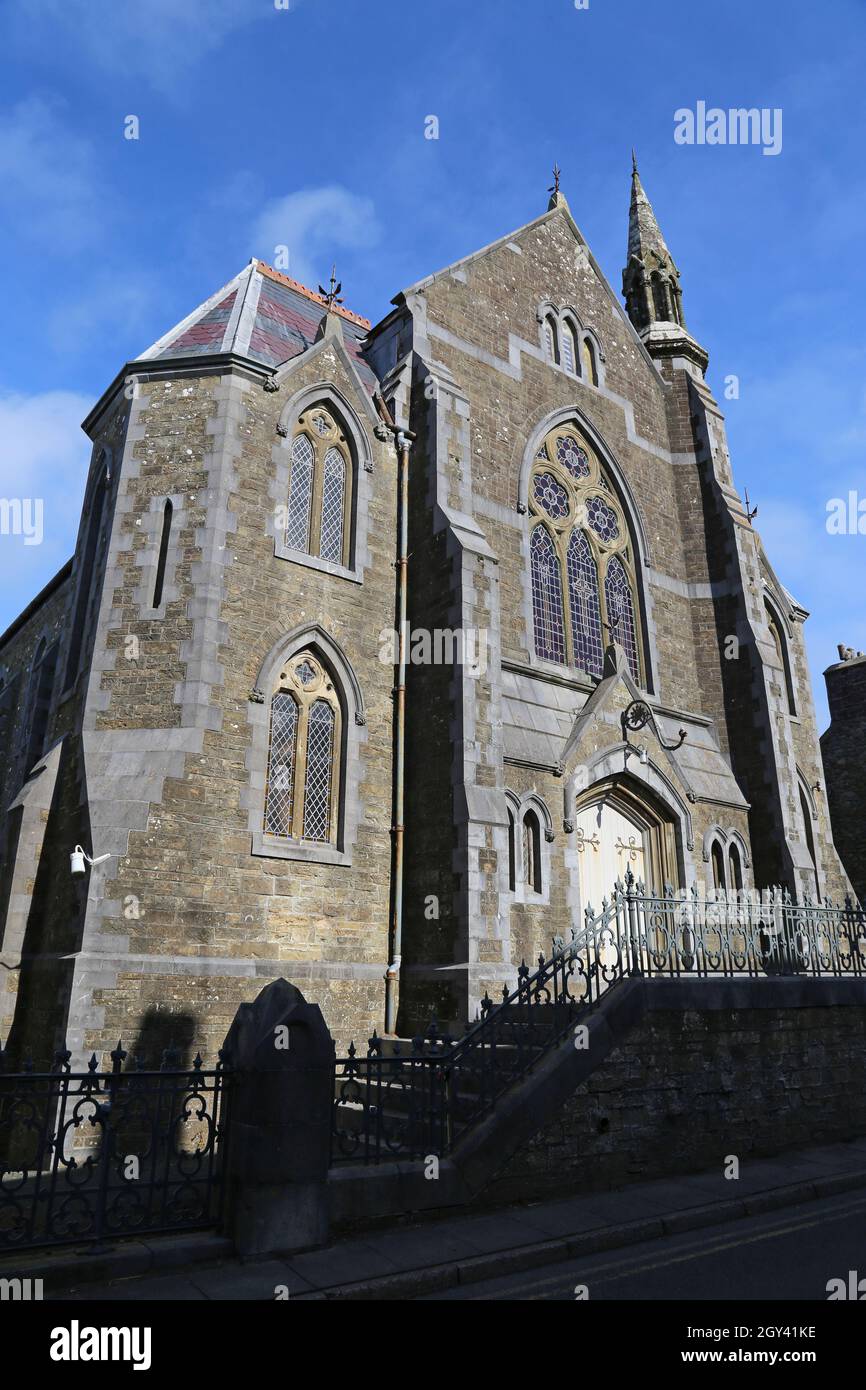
[(556, 173), (332, 296)]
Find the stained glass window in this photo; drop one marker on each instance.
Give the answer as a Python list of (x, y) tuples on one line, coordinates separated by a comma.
[(547, 597), (602, 519), (579, 534), (317, 786), (279, 799), (572, 456), (620, 608), (300, 494), (550, 495), (333, 490), (585, 611)]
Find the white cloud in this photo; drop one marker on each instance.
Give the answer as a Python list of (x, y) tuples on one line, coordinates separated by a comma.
[(47, 176), (314, 223), (43, 456), (161, 40)]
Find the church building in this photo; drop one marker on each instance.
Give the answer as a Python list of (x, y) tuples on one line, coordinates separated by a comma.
[(386, 651)]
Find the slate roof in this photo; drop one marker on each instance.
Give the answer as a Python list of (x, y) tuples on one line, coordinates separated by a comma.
[(264, 315)]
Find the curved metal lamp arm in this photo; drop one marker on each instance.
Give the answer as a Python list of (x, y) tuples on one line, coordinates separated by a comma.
[(637, 715)]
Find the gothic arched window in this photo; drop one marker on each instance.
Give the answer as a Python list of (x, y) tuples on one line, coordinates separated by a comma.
[(547, 596), (717, 859), (736, 866), (318, 521), (512, 852), (532, 851), (302, 795), (590, 364), (579, 530), (551, 338), (569, 347), (784, 659)]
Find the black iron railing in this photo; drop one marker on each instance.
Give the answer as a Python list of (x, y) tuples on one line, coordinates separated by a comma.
[(89, 1156), (416, 1099)]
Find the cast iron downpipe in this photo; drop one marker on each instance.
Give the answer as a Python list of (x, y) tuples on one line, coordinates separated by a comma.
[(403, 439)]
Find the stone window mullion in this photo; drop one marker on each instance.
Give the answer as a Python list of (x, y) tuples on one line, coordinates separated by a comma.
[(297, 828), (316, 503)]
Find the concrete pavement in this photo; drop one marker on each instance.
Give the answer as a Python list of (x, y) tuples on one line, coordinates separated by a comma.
[(409, 1261)]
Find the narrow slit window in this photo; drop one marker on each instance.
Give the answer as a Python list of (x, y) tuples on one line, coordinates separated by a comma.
[(167, 513)]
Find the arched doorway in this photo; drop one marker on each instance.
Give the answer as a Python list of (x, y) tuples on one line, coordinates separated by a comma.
[(620, 826)]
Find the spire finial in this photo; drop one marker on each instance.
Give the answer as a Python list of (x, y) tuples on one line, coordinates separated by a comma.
[(633, 161), (332, 296), (556, 175)]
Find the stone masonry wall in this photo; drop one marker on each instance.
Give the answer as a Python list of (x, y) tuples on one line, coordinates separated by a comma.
[(189, 923), (688, 1088)]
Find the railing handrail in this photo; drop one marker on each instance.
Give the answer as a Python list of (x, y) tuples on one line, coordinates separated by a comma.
[(636, 933)]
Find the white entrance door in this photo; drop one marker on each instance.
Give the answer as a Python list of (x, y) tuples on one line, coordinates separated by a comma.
[(608, 844)]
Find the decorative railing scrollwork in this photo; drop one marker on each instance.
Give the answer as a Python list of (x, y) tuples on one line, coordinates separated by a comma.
[(93, 1155)]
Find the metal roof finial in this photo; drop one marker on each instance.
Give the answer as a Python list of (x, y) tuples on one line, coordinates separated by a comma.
[(332, 296)]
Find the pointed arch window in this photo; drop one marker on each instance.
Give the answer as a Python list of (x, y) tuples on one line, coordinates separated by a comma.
[(569, 347), (735, 863), (512, 852), (318, 521), (590, 361), (303, 777), (551, 338), (579, 530), (532, 851), (717, 859), (782, 652)]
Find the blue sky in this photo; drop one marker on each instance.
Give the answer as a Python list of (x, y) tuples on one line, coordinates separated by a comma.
[(262, 126)]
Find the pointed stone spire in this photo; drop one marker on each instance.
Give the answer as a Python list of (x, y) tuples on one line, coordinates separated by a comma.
[(651, 280), (645, 240)]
